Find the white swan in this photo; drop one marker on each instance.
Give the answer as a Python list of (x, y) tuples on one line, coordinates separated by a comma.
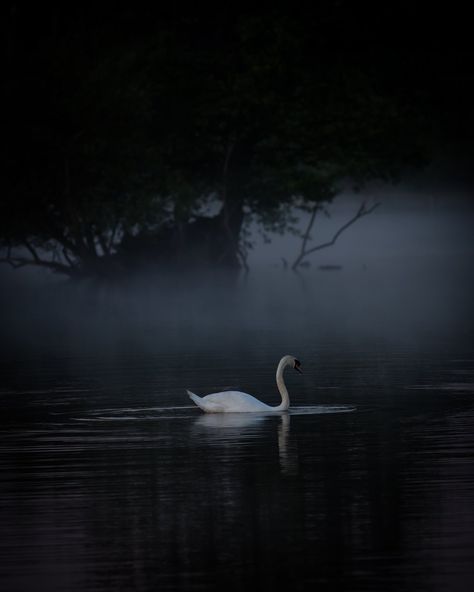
[(237, 402)]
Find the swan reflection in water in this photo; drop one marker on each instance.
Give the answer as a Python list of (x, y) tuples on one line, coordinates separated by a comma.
[(287, 450), (228, 428), (231, 422)]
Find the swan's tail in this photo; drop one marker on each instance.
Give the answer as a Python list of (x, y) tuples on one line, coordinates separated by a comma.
[(195, 398)]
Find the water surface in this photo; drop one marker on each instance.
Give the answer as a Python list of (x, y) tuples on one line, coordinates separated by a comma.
[(110, 479)]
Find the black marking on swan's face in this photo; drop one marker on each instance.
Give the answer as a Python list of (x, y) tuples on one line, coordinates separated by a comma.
[(297, 366)]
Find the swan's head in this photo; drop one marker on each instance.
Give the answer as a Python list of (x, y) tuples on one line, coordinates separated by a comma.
[(297, 365), (290, 361)]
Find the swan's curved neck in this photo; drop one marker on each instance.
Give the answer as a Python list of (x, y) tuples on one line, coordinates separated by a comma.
[(285, 399)]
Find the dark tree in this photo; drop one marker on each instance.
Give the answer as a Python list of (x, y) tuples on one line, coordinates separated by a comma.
[(154, 137)]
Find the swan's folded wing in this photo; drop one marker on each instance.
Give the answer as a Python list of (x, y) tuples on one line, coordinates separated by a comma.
[(214, 407), (207, 403), (232, 402)]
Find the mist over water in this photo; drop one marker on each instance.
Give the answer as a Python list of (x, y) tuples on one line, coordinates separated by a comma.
[(402, 273), (116, 481)]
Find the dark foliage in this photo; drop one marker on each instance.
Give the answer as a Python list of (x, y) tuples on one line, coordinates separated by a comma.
[(146, 135)]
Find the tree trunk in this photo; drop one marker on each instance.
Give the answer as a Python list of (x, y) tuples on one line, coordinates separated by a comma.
[(204, 242), (227, 251)]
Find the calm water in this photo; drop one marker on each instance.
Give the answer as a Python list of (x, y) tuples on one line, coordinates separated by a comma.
[(111, 480)]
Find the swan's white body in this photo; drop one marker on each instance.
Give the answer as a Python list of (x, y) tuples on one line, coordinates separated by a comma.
[(237, 402)]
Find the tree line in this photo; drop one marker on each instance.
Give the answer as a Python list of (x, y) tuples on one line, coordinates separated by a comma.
[(155, 139)]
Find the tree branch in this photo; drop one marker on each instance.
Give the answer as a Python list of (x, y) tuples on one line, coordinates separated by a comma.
[(112, 236), (361, 212), (103, 244), (306, 237), (68, 258), (17, 262), (33, 252), (242, 253)]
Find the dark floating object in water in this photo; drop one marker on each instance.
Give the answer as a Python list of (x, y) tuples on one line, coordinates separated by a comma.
[(330, 267)]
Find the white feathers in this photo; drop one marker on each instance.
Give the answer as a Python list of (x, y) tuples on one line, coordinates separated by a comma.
[(237, 402)]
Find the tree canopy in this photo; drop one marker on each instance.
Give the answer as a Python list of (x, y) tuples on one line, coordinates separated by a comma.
[(153, 137)]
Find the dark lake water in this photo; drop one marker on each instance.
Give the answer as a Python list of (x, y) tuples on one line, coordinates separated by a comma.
[(110, 479)]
